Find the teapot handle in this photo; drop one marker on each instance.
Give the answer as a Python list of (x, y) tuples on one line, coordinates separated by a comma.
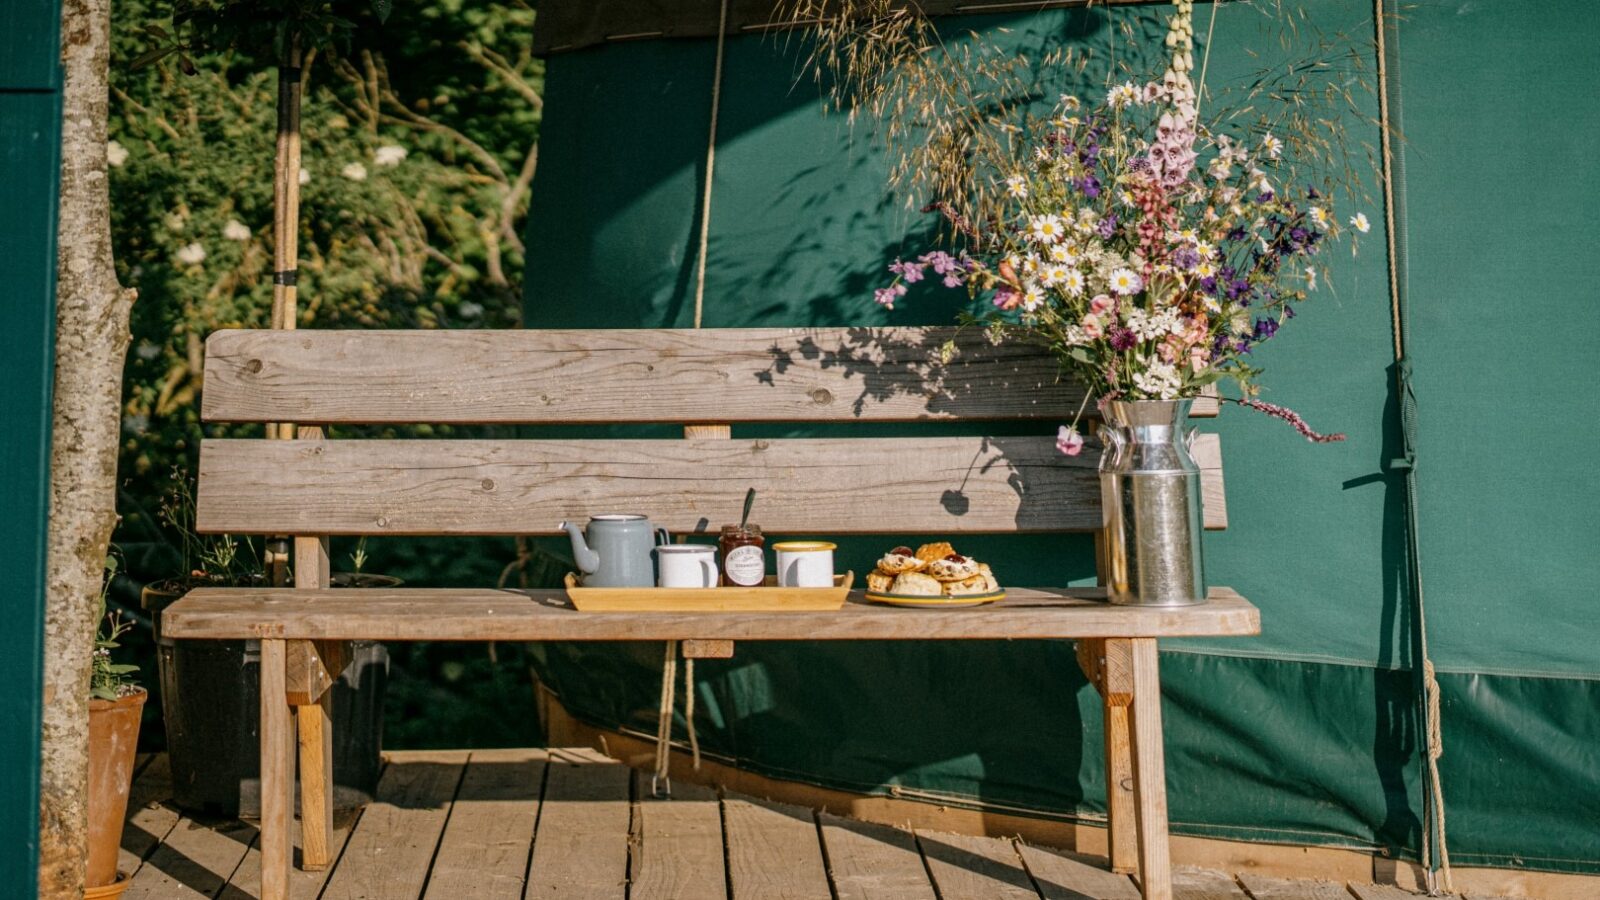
[(662, 537)]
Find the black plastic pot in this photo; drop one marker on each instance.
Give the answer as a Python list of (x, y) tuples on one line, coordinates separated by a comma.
[(209, 700)]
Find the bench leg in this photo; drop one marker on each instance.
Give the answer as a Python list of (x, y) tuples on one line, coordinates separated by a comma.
[(1150, 773), (315, 722), (277, 773), (1120, 813)]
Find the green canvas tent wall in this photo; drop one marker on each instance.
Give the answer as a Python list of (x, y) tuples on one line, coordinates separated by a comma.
[(1311, 733), (30, 127)]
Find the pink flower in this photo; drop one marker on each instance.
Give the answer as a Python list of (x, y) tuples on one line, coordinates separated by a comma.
[(1069, 441), (1092, 327), (1102, 304), (887, 296), (910, 271), (1006, 298)]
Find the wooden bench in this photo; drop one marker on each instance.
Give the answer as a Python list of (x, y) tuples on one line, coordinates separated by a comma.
[(314, 487)]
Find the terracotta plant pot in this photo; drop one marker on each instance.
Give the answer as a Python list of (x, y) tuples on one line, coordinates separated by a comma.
[(113, 739)]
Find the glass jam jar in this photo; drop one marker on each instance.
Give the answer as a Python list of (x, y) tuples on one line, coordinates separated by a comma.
[(744, 562)]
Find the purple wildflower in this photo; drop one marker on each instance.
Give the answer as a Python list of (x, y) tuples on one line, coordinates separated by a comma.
[(1108, 227), (1090, 186), (910, 271), (1186, 258), (1265, 328), (1293, 418), (1264, 197), (1122, 338), (887, 296)]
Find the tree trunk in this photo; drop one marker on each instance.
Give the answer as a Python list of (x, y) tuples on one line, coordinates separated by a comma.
[(91, 341)]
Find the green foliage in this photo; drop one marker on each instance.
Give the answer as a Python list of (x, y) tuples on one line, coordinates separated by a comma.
[(109, 680), (415, 189)]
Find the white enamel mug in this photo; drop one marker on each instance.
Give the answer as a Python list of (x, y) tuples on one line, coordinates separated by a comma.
[(687, 565), (805, 564)]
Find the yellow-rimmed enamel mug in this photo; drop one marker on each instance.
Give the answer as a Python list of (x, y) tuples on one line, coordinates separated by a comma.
[(804, 563)]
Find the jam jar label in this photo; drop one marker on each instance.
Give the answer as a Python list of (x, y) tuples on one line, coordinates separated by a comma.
[(745, 566)]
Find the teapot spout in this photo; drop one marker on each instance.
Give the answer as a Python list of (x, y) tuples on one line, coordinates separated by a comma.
[(588, 561)]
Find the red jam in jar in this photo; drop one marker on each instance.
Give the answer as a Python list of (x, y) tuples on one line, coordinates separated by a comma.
[(744, 562)]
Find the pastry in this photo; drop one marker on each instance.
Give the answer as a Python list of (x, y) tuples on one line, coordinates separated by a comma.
[(930, 552), (954, 567), (899, 561), (917, 584), (879, 582), (981, 583)]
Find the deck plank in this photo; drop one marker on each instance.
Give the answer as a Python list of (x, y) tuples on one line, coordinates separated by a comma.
[(195, 860), (1190, 883), (1380, 892), (246, 881), (150, 817), (484, 851), (873, 862), (1262, 887), (388, 853), (774, 851), (677, 844), (580, 850), (1068, 876), (965, 867)]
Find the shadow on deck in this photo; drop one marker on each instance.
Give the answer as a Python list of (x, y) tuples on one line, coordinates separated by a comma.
[(571, 823)]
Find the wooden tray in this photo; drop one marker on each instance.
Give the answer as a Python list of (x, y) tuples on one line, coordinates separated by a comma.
[(768, 598)]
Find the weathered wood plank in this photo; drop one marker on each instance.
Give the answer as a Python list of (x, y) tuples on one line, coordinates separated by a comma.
[(303, 883), (873, 862), (774, 851), (634, 375), (966, 867), (581, 849), (277, 772), (949, 485), (1066, 876), (195, 860), (1150, 773), (1380, 892), (1263, 887), (388, 854), (1190, 883), (484, 851), (676, 844), (149, 817), (445, 614)]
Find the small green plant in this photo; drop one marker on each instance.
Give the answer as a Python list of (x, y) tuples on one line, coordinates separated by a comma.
[(358, 559), (109, 680), (206, 559)]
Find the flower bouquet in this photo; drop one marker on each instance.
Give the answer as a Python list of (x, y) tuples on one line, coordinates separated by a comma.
[(1151, 253)]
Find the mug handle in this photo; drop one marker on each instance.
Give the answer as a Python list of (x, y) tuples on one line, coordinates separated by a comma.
[(662, 537)]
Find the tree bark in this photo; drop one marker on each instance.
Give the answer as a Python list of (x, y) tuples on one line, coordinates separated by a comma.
[(91, 341)]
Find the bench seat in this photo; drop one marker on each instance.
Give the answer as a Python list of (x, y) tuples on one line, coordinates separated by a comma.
[(464, 614)]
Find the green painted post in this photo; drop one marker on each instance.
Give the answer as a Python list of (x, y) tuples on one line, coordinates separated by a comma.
[(30, 131)]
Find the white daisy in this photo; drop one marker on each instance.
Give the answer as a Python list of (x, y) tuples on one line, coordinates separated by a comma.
[(1359, 222), (1205, 270), (1017, 186), (1032, 297), (1124, 282), (1272, 145), (236, 230), (1045, 229), (1069, 102), (1053, 275), (354, 171), (1206, 249), (1320, 217), (1074, 282), (1311, 279), (1062, 253)]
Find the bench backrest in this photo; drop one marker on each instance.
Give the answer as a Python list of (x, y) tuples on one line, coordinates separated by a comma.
[(823, 486)]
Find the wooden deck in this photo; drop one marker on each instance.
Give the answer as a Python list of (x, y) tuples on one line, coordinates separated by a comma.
[(490, 824)]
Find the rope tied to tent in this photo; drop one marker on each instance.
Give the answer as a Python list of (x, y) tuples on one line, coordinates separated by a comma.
[(661, 778), (711, 166), (1433, 801)]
